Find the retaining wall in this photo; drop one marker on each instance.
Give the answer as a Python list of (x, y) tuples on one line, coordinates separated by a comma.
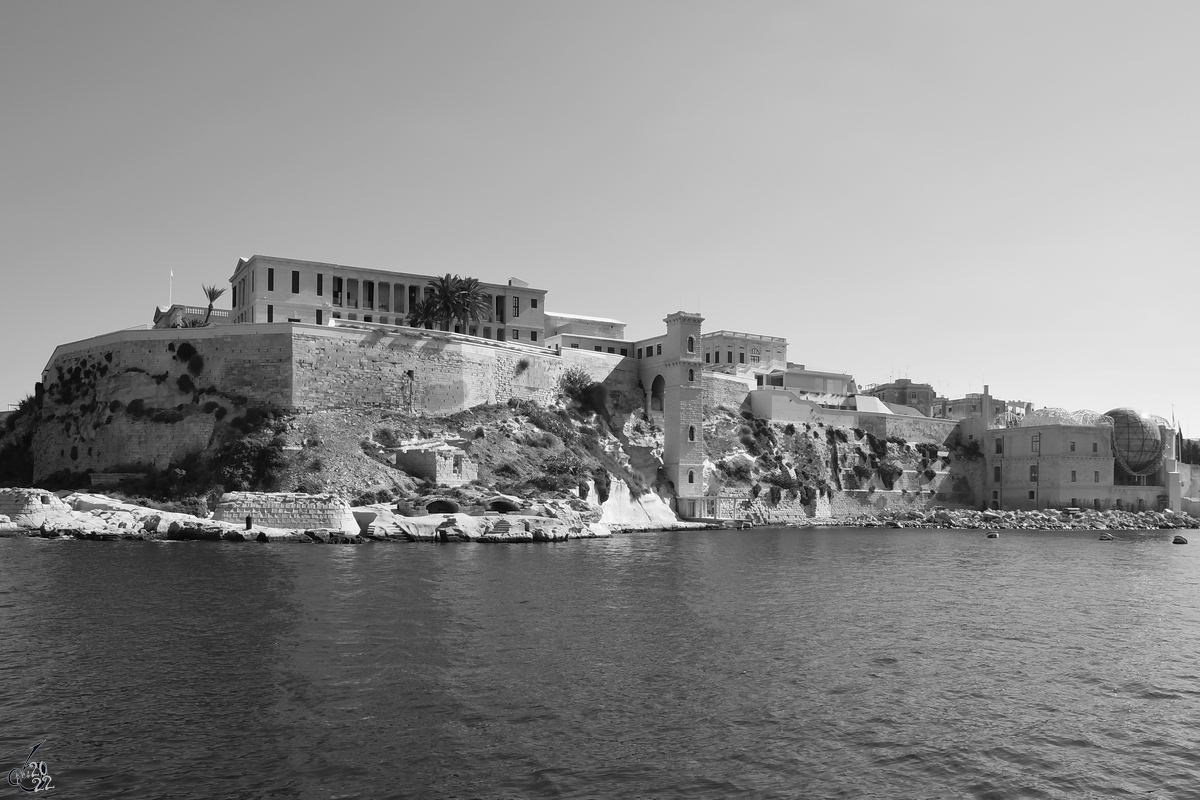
[(287, 510)]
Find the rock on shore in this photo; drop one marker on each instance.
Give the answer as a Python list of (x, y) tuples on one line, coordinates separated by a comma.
[(1043, 520)]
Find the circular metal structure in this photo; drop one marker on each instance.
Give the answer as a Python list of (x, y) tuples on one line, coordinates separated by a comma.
[(1136, 442)]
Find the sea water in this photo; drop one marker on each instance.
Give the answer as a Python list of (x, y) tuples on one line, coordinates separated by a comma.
[(764, 663)]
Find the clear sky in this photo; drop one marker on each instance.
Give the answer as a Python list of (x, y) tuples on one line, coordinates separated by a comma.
[(957, 192)]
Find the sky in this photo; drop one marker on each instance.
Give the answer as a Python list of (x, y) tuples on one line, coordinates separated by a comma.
[(961, 193)]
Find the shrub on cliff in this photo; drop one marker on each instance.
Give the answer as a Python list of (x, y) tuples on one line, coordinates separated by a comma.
[(16, 461), (889, 471)]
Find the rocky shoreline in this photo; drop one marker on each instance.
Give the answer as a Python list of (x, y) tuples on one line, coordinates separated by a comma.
[(99, 518), (1043, 520)]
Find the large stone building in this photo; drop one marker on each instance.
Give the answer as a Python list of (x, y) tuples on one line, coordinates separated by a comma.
[(904, 392), (272, 289)]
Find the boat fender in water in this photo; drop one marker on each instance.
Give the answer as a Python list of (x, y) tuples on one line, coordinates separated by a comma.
[(1179, 540), (993, 535), (1106, 537)]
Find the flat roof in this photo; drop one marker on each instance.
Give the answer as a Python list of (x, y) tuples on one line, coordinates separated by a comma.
[(582, 317), (332, 265)]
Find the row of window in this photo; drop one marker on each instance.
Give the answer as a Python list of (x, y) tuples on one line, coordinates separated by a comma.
[(754, 357), (1033, 474), (1035, 445), (501, 333), (345, 292)]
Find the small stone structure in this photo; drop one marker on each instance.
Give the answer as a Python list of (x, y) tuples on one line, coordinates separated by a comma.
[(29, 508), (287, 510), (436, 461)]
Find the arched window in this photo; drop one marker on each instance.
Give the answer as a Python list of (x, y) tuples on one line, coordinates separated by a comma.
[(691, 375), (691, 476), (754, 355), (691, 344), (691, 433)]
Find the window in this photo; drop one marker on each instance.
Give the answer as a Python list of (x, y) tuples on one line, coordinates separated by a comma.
[(639, 352), (1033, 473), (995, 474), (337, 291), (320, 317), (270, 279), (691, 433), (999, 446), (575, 346), (1094, 446), (612, 349), (995, 495), (384, 321), (624, 351), (1031, 494), (1096, 478), (368, 294), (741, 358), (658, 350), (707, 358), (1072, 479), (729, 357), (516, 307), (691, 345), (367, 318), (597, 348), (1072, 447), (516, 335), (533, 336), (235, 296), (320, 284), (270, 313), (1035, 443), (691, 375), (295, 281), (533, 302), (691, 476), (353, 317), (754, 355), (337, 315)]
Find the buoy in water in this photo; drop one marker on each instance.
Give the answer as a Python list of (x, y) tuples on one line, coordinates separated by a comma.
[(1179, 540), (1106, 537), (993, 535)]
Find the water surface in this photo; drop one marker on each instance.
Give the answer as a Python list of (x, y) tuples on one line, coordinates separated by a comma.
[(765, 663)]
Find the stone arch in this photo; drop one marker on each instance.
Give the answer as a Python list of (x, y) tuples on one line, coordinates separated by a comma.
[(658, 390), (442, 506), (503, 506)]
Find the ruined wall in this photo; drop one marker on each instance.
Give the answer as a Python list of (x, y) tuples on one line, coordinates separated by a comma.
[(913, 429), (724, 390), (287, 510)]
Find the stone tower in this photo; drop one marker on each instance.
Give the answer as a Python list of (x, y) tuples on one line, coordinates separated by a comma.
[(683, 410)]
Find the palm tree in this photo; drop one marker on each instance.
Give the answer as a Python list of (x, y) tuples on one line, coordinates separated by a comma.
[(214, 294), (473, 302), (445, 298), (424, 314)]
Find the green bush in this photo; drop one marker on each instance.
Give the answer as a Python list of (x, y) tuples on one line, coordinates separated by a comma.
[(889, 471), (195, 364), (184, 382), (184, 352)]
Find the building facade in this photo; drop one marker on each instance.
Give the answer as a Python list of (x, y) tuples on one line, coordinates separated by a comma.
[(271, 289), (731, 351), (904, 392)]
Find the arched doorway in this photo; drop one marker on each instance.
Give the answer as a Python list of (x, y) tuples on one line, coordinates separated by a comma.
[(658, 390)]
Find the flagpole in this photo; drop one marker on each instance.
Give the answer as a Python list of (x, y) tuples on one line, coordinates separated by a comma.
[(171, 290)]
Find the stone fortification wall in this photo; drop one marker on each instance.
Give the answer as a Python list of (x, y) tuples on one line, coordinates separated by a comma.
[(724, 390), (347, 367), (146, 398), (287, 510), (618, 373), (914, 429)]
